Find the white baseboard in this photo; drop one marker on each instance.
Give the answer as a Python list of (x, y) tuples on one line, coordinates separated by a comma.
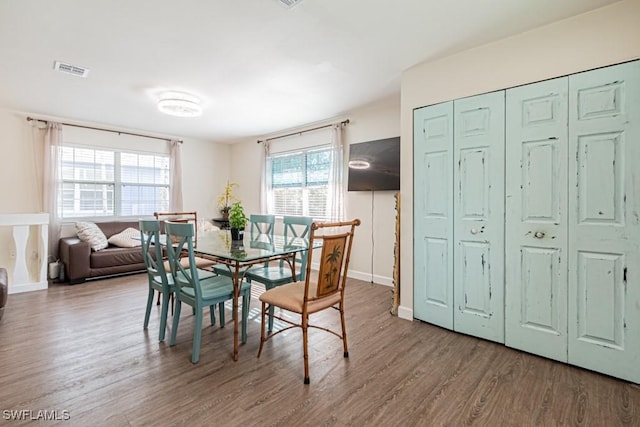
[(27, 287), (380, 280), (405, 313), (361, 275)]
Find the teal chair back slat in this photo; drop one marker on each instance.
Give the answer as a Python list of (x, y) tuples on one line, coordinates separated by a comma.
[(156, 274), (179, 241), (151, 249), (262, 224), (298, 227)]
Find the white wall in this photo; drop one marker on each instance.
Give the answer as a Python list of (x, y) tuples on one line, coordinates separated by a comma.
[(18, 177), (372, 253), (602, 37), (206, 168)]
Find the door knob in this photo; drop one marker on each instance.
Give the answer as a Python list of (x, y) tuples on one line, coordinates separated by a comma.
[(538, 235), (474, 231)]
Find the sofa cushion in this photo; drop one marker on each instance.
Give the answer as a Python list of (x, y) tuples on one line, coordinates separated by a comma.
[(114, 256), (110, 228), (90, 233), (128, 238)]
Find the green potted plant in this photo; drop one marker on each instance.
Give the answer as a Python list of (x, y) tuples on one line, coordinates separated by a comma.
[(237, 221)]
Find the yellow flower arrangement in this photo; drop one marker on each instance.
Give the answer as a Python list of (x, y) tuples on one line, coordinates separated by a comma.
[(227, 198)]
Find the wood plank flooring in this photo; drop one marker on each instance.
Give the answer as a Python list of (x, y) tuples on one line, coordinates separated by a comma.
[(82, 349)]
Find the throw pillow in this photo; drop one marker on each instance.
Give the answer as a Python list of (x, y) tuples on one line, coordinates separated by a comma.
[(91, 233), (128, 238)]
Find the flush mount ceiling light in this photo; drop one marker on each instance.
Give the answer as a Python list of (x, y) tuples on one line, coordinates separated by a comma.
[(179, 104), (289, 3)]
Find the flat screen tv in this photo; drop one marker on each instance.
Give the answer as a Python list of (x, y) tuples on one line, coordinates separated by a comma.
[(374, 165)]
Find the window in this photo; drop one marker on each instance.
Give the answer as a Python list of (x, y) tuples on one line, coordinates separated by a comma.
[(99, 182), (300, 183)]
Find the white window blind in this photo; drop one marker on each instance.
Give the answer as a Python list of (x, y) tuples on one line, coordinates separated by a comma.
[(300, 182), (100, 182)]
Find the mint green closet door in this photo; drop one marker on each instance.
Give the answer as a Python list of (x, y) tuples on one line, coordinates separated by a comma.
[(478, 178), (433, 214), (536, 219), (604, 220)]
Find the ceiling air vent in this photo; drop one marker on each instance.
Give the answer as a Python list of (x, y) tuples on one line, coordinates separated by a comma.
[(289, 3), (74, 70)]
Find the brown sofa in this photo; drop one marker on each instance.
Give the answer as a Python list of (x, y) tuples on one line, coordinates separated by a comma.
[(81, 263), (4, 284)]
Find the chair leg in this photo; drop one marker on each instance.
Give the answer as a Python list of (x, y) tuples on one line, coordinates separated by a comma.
[(221, 310), (245, 314), (197, 336), (271, 311), (212, 314), (173, 297), (262, 334), (305, 336), (344, 332), (163, 315), (148, 312), (176, 319), (158, 301)]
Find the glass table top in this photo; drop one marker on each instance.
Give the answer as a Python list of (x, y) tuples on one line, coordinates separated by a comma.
[(253, 247)]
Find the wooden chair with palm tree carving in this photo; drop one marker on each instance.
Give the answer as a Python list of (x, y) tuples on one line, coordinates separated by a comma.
[(312, 296)]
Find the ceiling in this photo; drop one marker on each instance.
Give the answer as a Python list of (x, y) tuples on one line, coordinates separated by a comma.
[(258, 66)]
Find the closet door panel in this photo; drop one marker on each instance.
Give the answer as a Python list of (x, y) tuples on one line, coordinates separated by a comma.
[(479, 216), (536, 219), (433, 214), (604, 225)]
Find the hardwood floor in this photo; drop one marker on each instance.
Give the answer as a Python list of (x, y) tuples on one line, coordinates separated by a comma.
[(81, 351)]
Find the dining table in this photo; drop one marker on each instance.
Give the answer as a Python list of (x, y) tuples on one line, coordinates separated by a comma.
[(241, 255)]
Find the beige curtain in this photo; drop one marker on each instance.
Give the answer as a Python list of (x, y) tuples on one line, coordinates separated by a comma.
[(51, 181), (265, 178), (336, 182), (175, 184)]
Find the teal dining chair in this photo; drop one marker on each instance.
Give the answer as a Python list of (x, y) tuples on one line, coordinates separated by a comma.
[(260, 225), (159, 279), (157, 276), (295, 228), (196, 291)]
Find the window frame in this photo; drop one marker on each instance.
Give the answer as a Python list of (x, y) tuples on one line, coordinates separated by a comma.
[(118, 183), (304, 187)]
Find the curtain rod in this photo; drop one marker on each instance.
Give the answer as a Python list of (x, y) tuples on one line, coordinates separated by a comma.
[(119, 132), (344, 122)]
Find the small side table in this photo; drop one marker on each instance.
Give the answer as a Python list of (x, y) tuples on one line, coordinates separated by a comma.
[(222, 223)]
